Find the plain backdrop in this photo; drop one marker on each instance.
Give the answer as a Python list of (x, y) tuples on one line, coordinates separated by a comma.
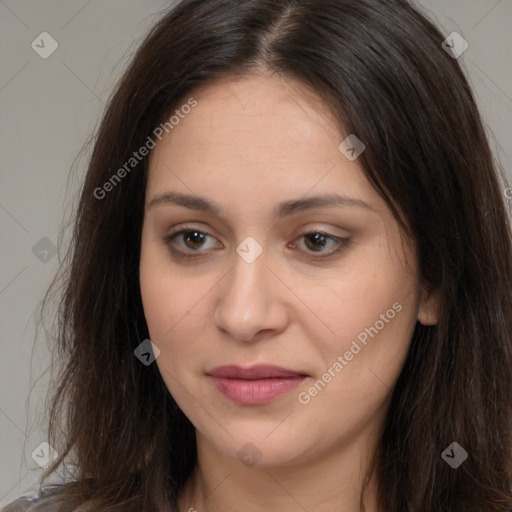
[(49, 107)]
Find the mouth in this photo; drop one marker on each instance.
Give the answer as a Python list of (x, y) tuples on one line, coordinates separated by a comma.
[(255, 385)]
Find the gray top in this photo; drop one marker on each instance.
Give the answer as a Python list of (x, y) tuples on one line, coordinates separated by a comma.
[(22, 504), (32, 501)]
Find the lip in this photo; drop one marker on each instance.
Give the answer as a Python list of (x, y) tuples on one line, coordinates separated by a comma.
[(260, 371), (255, 385)]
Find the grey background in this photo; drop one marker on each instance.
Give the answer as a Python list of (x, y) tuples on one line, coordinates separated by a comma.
[(49, 107)]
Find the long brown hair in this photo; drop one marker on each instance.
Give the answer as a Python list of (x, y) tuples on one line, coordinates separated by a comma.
[(381, 68)]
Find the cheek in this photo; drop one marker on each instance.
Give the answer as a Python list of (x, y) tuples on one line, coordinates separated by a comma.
[(369, 351), (174, 307), (371, 315), (380, 295)]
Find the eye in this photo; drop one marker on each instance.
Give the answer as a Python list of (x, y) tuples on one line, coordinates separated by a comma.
[(194, 239), (316, 241)]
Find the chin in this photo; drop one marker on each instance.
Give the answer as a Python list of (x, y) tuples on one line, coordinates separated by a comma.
[(262, 446)]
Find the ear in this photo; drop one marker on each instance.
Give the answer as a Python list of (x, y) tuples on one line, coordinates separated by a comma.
[(429, 307)]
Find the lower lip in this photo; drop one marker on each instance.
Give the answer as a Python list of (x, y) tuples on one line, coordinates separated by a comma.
[(254, 392)]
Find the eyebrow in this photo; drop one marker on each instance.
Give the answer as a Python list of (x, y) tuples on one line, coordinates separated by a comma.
[(284, 209)]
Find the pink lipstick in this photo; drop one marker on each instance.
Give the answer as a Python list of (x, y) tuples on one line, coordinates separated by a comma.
[(255, 385)]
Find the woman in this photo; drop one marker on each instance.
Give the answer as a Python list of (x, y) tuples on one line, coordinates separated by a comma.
[(289, 282)]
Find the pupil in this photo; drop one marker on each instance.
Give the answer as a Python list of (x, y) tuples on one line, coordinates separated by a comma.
[(316, 237), (194, 234)]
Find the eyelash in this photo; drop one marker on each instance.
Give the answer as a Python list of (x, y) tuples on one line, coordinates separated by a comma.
[(342, 243)]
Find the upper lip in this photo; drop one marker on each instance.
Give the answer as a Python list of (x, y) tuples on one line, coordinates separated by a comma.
[(262, 371)]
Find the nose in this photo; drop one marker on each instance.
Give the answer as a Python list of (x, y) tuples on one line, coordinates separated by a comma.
[(250, 303)]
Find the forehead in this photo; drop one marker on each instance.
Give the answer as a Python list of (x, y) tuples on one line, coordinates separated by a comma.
[(255, 119), (263, 93), (252, 122)]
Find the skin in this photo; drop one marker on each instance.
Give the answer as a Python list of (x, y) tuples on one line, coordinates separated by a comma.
[(250, 143)]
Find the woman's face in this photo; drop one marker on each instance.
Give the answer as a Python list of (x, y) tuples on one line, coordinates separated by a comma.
[(276, 275)]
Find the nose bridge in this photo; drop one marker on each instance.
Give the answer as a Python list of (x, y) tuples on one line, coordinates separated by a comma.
[(246, 305), (248, 276)]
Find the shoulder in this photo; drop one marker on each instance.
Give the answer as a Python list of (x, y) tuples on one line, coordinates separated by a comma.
[(21, 504), (32, 501)]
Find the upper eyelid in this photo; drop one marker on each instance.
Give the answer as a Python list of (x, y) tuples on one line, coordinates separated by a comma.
[(302, 232)]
